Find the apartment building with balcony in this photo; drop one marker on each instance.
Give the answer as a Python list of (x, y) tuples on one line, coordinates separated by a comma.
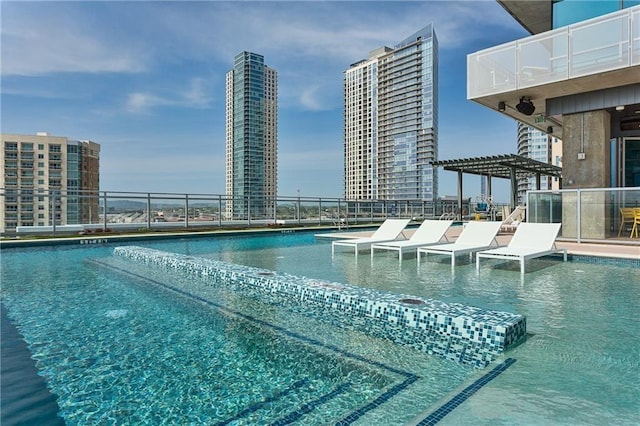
[(577, 78), (46, 178), (391, 121)]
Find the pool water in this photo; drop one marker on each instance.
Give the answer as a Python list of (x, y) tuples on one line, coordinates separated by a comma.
[(115, 342)]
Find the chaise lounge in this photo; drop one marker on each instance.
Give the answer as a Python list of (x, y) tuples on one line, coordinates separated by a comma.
[(530, 240), (476, 236), (390, 230), (428, 233)]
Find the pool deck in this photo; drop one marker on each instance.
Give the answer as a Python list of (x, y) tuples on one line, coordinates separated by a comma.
[(623, 248), (608, 249)]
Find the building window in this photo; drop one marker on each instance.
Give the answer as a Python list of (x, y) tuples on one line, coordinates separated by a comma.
[(569, 12)]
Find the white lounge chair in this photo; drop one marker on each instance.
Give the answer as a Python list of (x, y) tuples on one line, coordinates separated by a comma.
[(511, 221), (429, 232), (476, 236), (530, 240), (391, 229)]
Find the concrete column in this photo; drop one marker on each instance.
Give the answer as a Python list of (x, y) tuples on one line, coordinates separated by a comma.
[(586, 163), (586, 152)]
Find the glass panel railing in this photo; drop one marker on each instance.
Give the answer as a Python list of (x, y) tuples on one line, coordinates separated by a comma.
[(606, 43), (588, 215), (492, 71), (545, 208), (543, 59), (599, 46), (635, 37)]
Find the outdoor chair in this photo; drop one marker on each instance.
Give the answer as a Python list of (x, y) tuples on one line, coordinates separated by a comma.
[(428, 233), (390, 230), (636, 222), (626, 218), (530, 240), (476, 236)]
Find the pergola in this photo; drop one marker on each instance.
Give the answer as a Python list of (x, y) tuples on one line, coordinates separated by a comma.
[(507, 166)]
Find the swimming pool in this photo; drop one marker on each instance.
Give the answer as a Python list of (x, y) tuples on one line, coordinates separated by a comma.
[(114, 340)]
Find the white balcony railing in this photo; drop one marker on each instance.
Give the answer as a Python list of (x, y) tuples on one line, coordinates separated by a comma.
[(605, 43)]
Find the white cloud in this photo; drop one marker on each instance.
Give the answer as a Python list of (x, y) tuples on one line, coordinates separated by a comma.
[(195, 95), (332, 31), (91, 37), (40, 38), (310, 98), (141, 102)]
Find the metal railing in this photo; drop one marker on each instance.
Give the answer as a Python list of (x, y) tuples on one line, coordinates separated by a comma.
[(28, 210), (587, 215)]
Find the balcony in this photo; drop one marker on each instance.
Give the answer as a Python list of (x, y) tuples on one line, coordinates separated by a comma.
[(596, 54)]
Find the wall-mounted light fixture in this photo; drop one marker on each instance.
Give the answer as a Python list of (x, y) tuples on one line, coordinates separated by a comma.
[(525, 106), (501, 106), (620, 108)]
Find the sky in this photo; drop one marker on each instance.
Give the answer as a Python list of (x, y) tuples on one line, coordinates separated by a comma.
[(146, 80)]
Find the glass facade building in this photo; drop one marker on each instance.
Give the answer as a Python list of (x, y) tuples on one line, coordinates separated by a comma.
[(251, 136), (391, 121)]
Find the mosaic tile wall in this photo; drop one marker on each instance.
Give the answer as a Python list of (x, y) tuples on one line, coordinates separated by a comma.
[(466, 334), (623, 262)]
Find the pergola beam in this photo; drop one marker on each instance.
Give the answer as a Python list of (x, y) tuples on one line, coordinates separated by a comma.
[(507, 166)]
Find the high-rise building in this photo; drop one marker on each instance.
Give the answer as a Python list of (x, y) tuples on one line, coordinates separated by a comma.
[(391, 121), (539, 146), (47, 178), (251, 137)]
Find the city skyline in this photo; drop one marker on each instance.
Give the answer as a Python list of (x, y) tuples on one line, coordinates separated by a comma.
[(146, 81)]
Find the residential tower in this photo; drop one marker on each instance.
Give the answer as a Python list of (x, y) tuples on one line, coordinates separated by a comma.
[(391, 121), (251, 137), (48, 178)]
